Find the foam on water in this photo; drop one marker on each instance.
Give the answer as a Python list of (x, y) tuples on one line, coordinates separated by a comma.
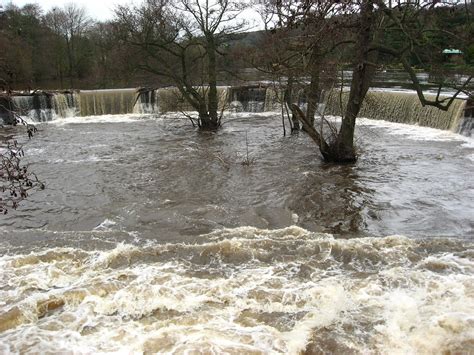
[(89, 159), (105, 225), (127, 118), (417, 132), (243, 290)]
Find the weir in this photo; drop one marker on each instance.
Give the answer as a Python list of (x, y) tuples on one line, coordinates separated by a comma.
[(248, 98), (402, 107), (171, 100), (107, 102), (273, 99), (146, 102), (37, 107), (65, 104)]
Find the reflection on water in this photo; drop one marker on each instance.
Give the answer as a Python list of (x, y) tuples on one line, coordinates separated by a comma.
[(152, 237)]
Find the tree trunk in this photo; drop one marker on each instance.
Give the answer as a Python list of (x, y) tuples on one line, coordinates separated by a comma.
[(212, 98), (6, 110), (312, 95), (342, 150), (207, 122), (324, 148), (70, 62), (288, 96)]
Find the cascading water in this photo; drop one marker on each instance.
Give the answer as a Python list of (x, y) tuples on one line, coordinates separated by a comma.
[(223, 97), (66, 104), (37, 107), (273, 99), (401, 107), (248, 99), (147, 102), (107, 102), (171, 100)]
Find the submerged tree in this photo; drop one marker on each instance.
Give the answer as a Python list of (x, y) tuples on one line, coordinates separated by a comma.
[(298, 48), (180, 41), (371, 21)]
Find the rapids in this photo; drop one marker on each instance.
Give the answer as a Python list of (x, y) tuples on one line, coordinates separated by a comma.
[(152, 237)]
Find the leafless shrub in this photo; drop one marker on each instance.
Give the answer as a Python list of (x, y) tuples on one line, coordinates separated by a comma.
[(16, 180), (248, 160)]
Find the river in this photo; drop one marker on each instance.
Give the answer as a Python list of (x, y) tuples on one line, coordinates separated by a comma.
[(153, 237)]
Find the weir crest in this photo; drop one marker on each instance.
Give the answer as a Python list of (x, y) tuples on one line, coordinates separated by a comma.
[(394, 106)]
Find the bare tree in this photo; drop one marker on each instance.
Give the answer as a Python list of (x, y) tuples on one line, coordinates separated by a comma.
[(299, 49), (70, 23), (373, 19), (180, 41)]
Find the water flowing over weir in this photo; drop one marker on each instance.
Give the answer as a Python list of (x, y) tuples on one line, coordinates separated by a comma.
[(65, 104), (147, 102), (404, 107), (36, 107), (394, 106), (171, 100), (42, 107), (107, 102), (248, 98)]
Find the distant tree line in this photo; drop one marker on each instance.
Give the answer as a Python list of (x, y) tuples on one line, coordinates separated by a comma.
[(64, 48)]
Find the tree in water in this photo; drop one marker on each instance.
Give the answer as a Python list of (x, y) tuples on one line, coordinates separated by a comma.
[(298, 48), (415, 32), (180, 41)]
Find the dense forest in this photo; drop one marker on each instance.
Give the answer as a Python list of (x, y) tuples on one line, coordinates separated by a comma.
[(64, 48)]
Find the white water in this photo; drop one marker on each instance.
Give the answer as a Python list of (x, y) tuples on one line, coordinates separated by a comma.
[(242, 290)]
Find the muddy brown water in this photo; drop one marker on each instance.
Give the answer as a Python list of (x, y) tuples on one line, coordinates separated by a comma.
[(152, 237)]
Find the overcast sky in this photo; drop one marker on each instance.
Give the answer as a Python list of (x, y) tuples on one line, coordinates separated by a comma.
[(103, 9), (97, 9)]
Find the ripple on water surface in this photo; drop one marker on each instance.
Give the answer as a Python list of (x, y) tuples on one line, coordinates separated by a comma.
[(409, 180)]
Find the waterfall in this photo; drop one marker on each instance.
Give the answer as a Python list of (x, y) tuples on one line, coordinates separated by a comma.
[(466, 126), (223, 97), (66, 104), (147, 101), (248, 98), (273, 99), (40, 107), (36, 107), (171, 100), (107, 102), (402, 107)]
